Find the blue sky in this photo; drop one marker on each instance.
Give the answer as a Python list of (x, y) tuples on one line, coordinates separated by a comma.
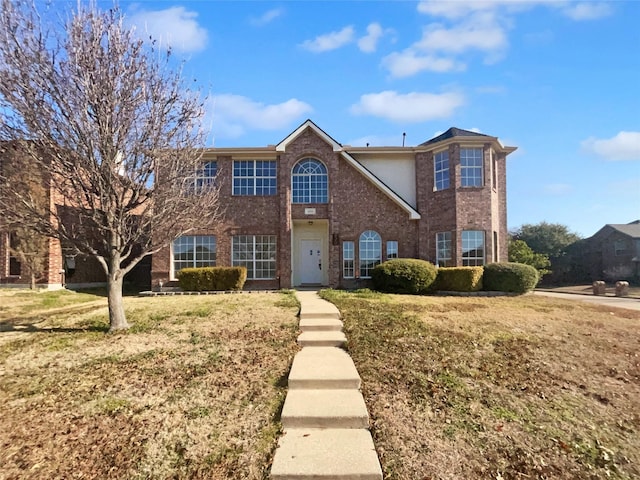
[(560, 80)]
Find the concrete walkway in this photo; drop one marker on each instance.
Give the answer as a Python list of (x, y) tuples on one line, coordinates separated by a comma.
[(619, 302), (326, 424)]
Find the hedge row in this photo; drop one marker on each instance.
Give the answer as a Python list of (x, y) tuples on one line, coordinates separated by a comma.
[(209, 279), (411, 276)]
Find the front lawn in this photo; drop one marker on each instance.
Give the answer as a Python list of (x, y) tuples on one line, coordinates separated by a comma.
[(497, 388), (192, 390)]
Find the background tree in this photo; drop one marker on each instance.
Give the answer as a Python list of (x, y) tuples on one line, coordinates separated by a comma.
[(520, 252), (114, 128), (546, 238)]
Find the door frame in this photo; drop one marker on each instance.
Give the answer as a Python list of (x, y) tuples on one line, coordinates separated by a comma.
[(309, 230)]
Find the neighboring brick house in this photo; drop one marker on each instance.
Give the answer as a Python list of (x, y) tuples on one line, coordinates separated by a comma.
[(62, 266), (611, 254), (310, 211)]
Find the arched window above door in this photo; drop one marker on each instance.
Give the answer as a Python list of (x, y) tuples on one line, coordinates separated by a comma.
[(309, 182)]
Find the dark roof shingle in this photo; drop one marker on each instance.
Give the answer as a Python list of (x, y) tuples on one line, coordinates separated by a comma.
[(453, 132)]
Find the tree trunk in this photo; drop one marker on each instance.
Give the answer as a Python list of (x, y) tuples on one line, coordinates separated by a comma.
[(117, 319), (33, 281)]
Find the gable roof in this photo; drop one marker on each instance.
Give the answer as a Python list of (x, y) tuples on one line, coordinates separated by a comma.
[(455, 132), (337, 147), (631, 229), (282, 146)]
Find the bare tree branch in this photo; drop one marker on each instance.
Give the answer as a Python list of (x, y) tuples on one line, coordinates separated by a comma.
[(113, 129)]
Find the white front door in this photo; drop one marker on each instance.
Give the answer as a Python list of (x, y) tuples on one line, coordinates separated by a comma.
[(311, 262)]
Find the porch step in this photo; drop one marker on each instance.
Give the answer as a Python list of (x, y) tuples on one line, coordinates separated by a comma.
[(309, 453), (315, 324), (323, 368), (322, 339), (324, 409)]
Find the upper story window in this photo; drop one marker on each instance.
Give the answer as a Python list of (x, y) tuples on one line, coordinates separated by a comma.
[(620, 247), (309, 182), (494, 170), (471, 174), (254, 177), (192, 251), (441, 170), (472, 248), (204, 178), (370, 247)]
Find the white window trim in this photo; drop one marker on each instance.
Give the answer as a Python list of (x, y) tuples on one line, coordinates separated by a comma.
[(254, 177), (253, 260), (435, 171), (172, 269), (482, 169)]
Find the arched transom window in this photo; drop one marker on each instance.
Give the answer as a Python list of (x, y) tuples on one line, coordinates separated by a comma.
[(309, 182), (370, 249)]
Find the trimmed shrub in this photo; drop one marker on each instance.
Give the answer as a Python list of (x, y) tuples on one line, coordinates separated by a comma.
[(510, 277), (459, 279), (208, 279), (404, 275)]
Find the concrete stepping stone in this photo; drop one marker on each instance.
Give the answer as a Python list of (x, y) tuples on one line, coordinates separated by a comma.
[(315, 324), (340, 454), (322, 339), (324, 409), (323, 368)]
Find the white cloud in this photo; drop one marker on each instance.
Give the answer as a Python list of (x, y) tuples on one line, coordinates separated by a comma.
[(176, 27), (482, 35), (460, 8), (369, 42), (624, 146), (410, 107), (557, 189), (267, 17), (409, 62), (330, 41), (233, 115), (587, 10)]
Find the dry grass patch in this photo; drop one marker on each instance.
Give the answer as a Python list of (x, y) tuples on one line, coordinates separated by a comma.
[(502, 388), (193, 390)]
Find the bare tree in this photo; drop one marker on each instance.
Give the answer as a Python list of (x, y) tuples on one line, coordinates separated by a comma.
[(118, 134)]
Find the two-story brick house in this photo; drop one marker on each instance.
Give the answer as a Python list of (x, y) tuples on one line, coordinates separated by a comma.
[(310, 211)]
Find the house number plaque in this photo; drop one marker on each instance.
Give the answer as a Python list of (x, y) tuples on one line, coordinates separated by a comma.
[(309, 211)]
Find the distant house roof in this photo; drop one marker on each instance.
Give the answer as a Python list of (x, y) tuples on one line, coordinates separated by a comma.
[(454, 132), (631, 229)]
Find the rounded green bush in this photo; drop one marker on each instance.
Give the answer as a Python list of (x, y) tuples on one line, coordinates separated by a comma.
[(509, 277), (404, 275)]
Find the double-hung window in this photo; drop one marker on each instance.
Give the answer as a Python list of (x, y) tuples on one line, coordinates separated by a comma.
[(443, 249), (370, 250), (254, 177), (441, 170), (257, 253), (348, 259), (471, 171), (472, 248), (191, 251)]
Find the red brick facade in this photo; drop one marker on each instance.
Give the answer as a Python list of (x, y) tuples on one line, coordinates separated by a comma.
[(357, 201)]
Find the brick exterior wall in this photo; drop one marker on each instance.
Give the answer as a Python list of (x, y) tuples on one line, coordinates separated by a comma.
[(355, 205)]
